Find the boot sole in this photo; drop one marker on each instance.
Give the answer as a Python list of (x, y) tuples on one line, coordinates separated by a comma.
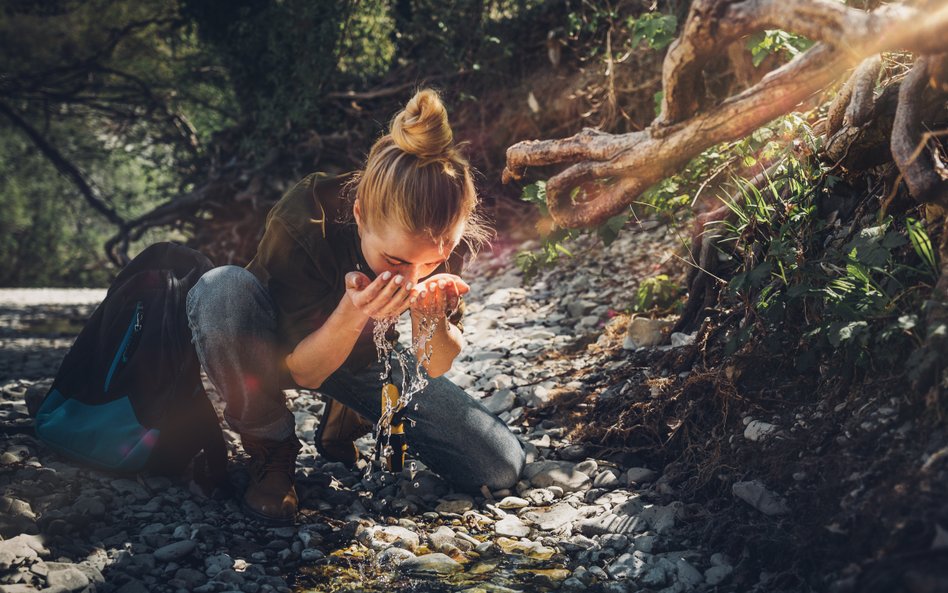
[(258, 516)]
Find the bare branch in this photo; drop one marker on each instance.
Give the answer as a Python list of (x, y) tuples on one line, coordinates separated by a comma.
[(65, 167)]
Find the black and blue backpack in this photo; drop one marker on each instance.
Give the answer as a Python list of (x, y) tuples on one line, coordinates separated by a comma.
[(128, 396)]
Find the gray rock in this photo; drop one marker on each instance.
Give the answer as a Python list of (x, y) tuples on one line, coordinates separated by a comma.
[(716, 574), (646, 333), (69, 578), (639, 475), (544, 474), (688, 575), (511, 526), (216, 563), (628, 566), (379, 537), (553, 517), (580, 308), (456, 507), (644, 543), (572, 584), (606, 479), (175, 551), (436, 563), (616, 541), (624, 519), (588, 467), (679, 339), (758, 496), (661, 518), (126, 486), (758, 430), (500, 402), (133, 586), (655, 576), (20, 549), (573, 452), (312, 555), (229, 576), (513, 502), (394, 556), (442, 539), (190, 577)]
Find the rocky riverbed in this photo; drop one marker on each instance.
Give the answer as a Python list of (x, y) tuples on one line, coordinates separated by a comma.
[(573, 523)]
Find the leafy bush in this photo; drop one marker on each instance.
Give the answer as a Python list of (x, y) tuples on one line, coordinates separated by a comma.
[(825, 284), (657, 293)]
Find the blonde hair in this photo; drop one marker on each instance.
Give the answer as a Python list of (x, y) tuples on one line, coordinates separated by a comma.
[(416, 177)]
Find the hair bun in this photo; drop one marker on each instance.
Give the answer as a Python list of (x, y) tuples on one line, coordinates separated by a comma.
[(422, 128)]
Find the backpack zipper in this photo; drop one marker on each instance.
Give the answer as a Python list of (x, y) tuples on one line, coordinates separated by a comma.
[(139, 314), (134, 326)]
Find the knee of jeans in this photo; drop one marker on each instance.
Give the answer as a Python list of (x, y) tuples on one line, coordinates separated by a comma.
[(500, 471), (226, 290), (508, 469)]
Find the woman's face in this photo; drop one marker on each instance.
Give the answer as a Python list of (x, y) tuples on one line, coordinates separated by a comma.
[(390, 248)]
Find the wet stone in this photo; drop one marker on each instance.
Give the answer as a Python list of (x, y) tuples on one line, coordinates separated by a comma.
[(435, 563), (394, 556)]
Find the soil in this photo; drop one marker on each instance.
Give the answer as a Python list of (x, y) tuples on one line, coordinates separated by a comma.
[(863, 464)]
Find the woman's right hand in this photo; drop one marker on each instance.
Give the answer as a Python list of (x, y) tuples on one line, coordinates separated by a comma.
[(386, 296)]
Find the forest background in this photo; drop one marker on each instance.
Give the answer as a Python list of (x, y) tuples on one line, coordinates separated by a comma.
[(111, 109)]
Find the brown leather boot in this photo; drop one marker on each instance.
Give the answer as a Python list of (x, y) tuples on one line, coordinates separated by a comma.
[(271, 494), (339, 427)]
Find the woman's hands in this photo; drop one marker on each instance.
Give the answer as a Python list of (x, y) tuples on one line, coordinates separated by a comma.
[(389, 295), (386, 296), (439, 295)]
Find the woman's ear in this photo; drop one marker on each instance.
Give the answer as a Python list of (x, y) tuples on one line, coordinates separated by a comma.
[(357, 212)]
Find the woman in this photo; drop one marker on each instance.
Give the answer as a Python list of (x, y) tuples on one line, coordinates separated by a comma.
[(303, 311)]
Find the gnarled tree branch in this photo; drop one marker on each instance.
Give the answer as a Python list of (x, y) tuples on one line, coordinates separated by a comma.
[(637, 160), (909, 144)]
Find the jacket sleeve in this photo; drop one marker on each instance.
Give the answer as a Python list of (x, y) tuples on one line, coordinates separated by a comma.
[(302, 288)]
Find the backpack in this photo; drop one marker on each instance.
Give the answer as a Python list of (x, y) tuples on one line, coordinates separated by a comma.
[(128, 395)]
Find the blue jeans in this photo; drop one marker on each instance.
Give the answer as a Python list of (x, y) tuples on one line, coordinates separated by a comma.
[(234, 327)]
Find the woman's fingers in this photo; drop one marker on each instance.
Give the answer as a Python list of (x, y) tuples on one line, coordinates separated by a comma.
[(452, 298), (398, 301), (463, 287)]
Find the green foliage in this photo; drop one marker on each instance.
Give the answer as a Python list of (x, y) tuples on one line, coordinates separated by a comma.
[(628, 27), (774, 41), (279, 55), (552, 243), (45, 239), (656, 293), (657, 30), (122, 91), (846, 289)]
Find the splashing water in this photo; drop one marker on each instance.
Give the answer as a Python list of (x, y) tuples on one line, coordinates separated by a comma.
[(413, 379)]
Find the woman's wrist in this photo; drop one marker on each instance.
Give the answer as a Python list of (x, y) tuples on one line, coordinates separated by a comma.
[(351, 315)]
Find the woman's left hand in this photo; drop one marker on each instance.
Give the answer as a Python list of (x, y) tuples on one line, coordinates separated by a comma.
[(438, 295)]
